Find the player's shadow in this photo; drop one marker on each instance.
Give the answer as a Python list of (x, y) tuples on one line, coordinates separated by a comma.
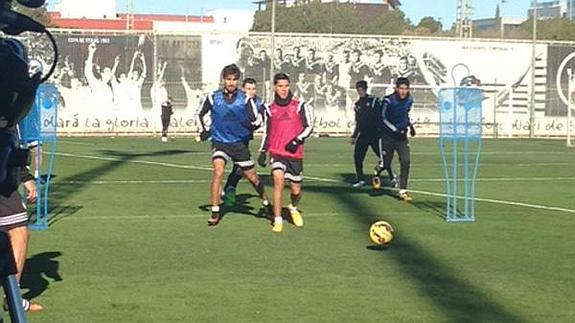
[(457, 298), (435, 208), (38, 273), (350, 179), (241, 207), (59, 204), (60, 212)]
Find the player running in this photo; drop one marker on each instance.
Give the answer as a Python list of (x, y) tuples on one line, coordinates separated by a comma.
[(288, 122), (233, 116), (395, 113), (367, 134), (250, 88)]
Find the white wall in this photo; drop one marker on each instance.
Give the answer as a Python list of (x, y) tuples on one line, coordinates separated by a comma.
[(87, 9), (225, 21)]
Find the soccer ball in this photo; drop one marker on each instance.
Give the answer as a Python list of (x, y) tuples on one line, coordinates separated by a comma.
[(381, 233)]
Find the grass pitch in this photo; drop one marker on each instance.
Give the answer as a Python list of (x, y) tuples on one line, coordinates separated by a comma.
[(129, 242)]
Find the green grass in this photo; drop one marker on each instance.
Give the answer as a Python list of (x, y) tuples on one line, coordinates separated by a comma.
[(142, 252)]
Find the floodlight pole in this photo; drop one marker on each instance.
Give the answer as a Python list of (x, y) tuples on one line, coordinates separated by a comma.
[(273, 51), (533, 73)]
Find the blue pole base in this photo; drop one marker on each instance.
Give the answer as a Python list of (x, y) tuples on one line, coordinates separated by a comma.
[(462, 219), (38, 227)]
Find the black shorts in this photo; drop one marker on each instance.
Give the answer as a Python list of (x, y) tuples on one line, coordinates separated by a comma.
[(292, 168), (13, 213), (239, 153), (390, 137)]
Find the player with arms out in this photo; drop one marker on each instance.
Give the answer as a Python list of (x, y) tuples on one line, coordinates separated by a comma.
[(288, 123), (250, 88), (396, 122), (234, 116)]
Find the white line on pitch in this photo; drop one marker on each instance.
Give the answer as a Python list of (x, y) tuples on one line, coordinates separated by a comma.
[(143, 162), (439, 164), (512, 203), (328, 180), (200, 181), (501, 179), (436, 153), (532, 206), (112, 182)]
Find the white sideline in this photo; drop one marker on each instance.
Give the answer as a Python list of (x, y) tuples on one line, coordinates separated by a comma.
[(328, 180), (144, 162), (112, 182), (200, 181), (527, 205), (438, 164)]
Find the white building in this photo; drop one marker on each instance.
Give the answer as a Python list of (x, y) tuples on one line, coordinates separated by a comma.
[(571, 9), (550, 9), (224, 20), (87, 9)]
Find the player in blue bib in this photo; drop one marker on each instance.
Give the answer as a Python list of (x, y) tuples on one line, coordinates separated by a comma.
[(249, 87), (234, 116)]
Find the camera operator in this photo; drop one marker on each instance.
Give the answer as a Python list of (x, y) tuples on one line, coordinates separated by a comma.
[(17, 94)]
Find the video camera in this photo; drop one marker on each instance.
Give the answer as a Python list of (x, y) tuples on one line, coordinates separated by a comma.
[(18, 84), (18, 88), (14, 23)]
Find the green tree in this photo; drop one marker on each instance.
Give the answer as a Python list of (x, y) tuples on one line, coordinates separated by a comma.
[(318, 17), (434, 26), (549, 29), (392, 23)]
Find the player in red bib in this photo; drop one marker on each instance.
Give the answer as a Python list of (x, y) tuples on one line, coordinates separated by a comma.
[(289, 122)]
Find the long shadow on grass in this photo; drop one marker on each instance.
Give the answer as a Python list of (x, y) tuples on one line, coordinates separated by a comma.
[(459, 300), (60, 206), (436, 208), (351, 178), (38, 271), (241, 207)]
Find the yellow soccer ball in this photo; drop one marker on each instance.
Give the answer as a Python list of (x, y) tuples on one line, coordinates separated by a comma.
[(381, 233)]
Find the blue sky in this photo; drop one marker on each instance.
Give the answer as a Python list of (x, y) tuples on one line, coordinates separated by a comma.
[(414, 9)]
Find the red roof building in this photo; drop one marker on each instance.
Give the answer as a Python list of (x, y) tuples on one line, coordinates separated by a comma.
[(142, 22)]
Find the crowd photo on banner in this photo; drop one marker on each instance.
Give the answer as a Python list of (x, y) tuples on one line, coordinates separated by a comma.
[(118, 83)]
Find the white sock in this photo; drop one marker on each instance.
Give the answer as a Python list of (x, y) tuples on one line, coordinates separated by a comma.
[(265, 203), (402, 191), (216, 208), (278, 220), (292, 208)]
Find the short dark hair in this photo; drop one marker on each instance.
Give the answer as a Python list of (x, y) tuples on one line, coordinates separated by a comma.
[(279, 77), (232, 69), (402, 81), (361, 85), (249, 80)]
